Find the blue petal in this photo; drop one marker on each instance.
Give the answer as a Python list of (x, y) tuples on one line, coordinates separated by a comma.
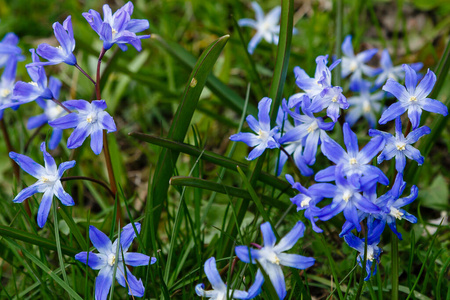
[(103, 283), (407, 200), (78, 136), (268, 235), (410, 78), (213, 275), (50, 164), (295, 261), (327, 174), (95, 260), (413, 153), (65, 166), (426, 85), (395, 89), (55, 138), (100, 240), (36, 121), (289, 240), (27, 164), (263, 113), (366, 206), (137, 25), (311, 144), (392, 112), (64, 197), (347, 47), (108, 123), (256, 152), (414, 113), (248, 138), (135, 287), (243, 253), (44, 207), (97, 141), (256, 39), (366, 55), (128, 234), (434, 106), (27, 192), (372, 148), (351, 215), (137, 259), (415, 135), (400, 162), (354, 242), (277, 278), (65, 122), (350, 141), (77, 104), (333, 151), (52, 54)]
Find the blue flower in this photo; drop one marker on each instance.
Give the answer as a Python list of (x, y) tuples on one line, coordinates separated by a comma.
[(365, 104), (48, 182), (355, 164), (25, 92), (266, 26), (118, 28), (90, 120), (309, 129), (52, 111), (399, 146), (309, 198), (7, 82), (373, 251), (356, 64), (271, 256), (392, 208), (389, 71), (292, 148), (8, 48), (106, 260), (264, 137), (413, 98), (62, 53), (220, 290), (347, 198)]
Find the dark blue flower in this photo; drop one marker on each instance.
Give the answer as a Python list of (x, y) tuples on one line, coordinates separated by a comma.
[(389, 71), (355, 163), (52, 111), (264, 137), (271, 256), (220, 290), (117, 28), (106, 260), (399, 146), (48, 182), (412, 97), (9, 49), (365, 104), (90, 120), (62, 53), (373, 251), (7, 82)]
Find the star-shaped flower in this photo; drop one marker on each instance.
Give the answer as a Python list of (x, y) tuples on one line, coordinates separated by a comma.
[(271, 256), (9, 48), (7, 82), (220, 290), (90, 120), (365, 104), (373, 251), (412, 97), (264, 137), (106, 260), (48, 182), (118, 28), (389, 71)]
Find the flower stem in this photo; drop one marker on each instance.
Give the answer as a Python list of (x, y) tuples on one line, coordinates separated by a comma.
[(86, 74), (15, 166), (62, 105), (112, 179), (100, 182), (394, 263), (408, 128)]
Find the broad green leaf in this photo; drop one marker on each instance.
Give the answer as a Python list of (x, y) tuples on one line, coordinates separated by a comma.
[(436, 195)]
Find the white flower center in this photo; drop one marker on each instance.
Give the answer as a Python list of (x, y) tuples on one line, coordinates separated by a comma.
[(347, 195), (396, 213), (335, 98), (111, 259), (5, 92), (366, 107), (59, 48), (263, 135), (370, 254), (114, 32), (413, 99), (53, 112), (48, 179), (33, 83), (91, 118), (352, 161), (392, 75), (313, 127), (274, 259), (400, 146), (305, 202), (353, 66)]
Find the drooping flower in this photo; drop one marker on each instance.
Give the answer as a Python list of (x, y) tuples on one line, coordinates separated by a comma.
[(373, 252), (412, 97), (118, 28), (90, 120), (7, 82), (399, 146), (271, 256), (52, 111), (62, 53), (355, 163), (264, 137), (220, 290), (25, 92), (356, 64), (48, 182), (365, 104), (309, 129), (389, 71), (309, 198), (106, 260), (266, 26), (9, 49)]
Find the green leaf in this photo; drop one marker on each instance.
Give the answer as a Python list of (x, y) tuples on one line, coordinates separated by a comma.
[(436, 195), (159, 186)]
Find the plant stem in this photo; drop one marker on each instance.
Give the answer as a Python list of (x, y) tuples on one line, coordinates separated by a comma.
[(35, 134), (62, 105), (112, 179), (86, 74), (15, 166), (100, 182), (363, 267), (394, 257)]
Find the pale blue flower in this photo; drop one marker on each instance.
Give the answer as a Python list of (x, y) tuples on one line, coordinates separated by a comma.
[(366, 104), (389, 71)]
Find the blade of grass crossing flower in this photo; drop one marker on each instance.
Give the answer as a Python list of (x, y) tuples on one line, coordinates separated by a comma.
[(46, 270), (73, 227), (363, 269), (426, 259), (339, 5), (214, 158), (58, 241), (158, 187)]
